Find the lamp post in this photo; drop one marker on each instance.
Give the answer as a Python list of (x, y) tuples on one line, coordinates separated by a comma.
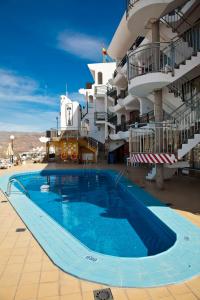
[(12, 142)]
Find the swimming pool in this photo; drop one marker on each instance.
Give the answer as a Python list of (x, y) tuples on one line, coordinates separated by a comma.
[(115, 234), (99, 213)]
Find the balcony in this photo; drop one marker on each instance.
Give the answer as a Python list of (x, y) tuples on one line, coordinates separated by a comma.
[(100, 90), (100, 117)]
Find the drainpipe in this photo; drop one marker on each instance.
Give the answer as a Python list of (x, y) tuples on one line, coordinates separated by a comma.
[(158, 108)]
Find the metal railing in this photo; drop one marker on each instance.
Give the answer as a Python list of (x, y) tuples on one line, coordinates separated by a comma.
[(100, 116), (167, 137), (61, 133), (175, 19), (164, 57), (100, 90), (8, 192), (129, 5), (150, 58)]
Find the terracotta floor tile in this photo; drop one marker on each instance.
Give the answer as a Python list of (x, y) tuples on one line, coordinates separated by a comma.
[(158, 293), (26, 292), (7, 294), (49, 276), (48, 289)]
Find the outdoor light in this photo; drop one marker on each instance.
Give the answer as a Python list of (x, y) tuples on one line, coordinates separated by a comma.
[(12, 140)]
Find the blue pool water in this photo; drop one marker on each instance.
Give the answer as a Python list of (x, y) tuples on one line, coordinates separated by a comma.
[(102, 215)]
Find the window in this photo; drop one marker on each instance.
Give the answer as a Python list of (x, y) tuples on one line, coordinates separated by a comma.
[(100, 78), (90, 99)]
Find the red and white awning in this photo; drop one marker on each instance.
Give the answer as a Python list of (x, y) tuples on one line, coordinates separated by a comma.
[(153, 158)]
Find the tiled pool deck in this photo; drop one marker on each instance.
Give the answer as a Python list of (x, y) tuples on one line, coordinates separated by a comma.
[(26, 273)]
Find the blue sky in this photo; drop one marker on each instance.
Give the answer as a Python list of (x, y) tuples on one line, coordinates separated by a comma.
[(44, 45)]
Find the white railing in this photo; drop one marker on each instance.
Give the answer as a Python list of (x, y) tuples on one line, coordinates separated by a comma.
[(168, 136)]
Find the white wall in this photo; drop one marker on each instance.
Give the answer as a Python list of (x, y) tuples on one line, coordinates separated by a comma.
[(73, 114)]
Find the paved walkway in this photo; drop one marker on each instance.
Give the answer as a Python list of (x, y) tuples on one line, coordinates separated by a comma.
[(26, 272)]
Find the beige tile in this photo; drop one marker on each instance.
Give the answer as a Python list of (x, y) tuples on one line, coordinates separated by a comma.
[(49, 276), (196, 292), (188, 296), (139, 294), (16, 259), (50, 298), (29, 278), (88, 295), (119, 294), (158, 293), (26, 292), (32, 267), (65, 278), (8, 279), (70, 287), (89, 286), (7, 294), (48, 266), (178, 289), (13, 268), (76, 296), (34, 258), (194, 283), (48, 289)]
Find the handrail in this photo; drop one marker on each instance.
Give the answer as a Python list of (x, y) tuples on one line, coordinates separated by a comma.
[(21, 185)]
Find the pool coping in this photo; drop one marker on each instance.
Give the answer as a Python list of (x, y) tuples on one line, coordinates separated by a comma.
[(77, 260)]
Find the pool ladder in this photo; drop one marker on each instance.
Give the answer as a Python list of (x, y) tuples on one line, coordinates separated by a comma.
[(8, 192), (119, 175)]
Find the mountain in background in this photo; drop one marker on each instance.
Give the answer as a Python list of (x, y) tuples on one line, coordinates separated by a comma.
[(24, 141)]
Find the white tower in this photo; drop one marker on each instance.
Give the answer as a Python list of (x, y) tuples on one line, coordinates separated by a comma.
[(70, 114)]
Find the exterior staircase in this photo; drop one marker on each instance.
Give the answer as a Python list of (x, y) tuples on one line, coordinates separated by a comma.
[(177, 136)]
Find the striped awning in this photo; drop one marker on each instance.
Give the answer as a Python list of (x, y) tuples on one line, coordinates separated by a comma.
[(153, 158)]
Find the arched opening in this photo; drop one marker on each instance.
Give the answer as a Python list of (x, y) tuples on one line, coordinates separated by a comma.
[(100, 78)]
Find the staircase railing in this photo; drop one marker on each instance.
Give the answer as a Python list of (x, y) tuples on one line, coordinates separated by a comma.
[(175, 19), (168, 136)]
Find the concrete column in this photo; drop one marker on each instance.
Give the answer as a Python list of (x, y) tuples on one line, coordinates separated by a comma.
[(158, 106)]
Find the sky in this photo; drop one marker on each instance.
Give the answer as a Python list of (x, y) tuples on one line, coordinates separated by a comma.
[(44, 46)]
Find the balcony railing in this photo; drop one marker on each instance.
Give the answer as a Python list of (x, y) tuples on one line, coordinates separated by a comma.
[(164, 57), (100, 116), (100, 90), (167, 137), (129, 5), (150, 58)]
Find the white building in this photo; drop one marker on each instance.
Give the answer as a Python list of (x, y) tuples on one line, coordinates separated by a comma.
[(96, 113), (157, 81)]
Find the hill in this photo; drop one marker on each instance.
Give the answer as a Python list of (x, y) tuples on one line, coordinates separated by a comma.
[(24, 141)]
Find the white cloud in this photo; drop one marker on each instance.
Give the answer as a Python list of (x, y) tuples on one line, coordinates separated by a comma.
[(16, 88), (81, 45)]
